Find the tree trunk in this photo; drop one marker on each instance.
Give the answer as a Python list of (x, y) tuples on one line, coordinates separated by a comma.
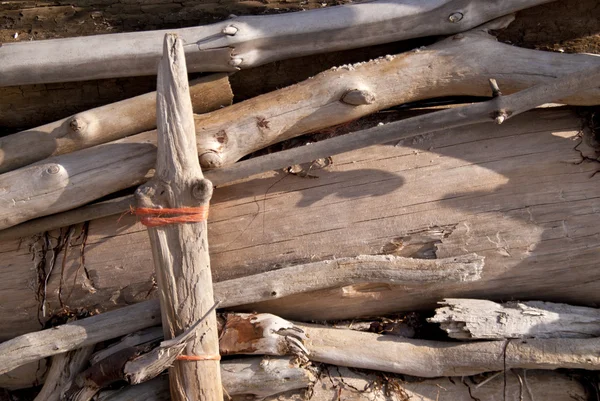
[(180, 248)]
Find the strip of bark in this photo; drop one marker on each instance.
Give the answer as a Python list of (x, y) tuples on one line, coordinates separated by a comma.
[(390, 269), (104, 124), (245, 42), (476, 319), (267, 334)]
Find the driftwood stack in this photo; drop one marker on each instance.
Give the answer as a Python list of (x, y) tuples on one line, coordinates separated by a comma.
[(306, 287)]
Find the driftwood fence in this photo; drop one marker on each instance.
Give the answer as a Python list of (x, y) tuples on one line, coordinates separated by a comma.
[(509, 211)]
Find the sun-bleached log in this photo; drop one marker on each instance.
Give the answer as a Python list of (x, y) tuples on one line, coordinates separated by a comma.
[(104, 124), (67, 181), (271, 335), (70, 180), (245, 42), (260, 377), (477, 319), (260, 287)]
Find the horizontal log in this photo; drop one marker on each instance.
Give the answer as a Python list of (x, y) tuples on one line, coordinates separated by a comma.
[(269, 285), (244, 42), (486, 320), (104, 124), (260, 377), (68, 181), (270, 335)]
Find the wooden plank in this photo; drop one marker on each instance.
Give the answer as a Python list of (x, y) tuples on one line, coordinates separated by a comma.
[(519, 194)]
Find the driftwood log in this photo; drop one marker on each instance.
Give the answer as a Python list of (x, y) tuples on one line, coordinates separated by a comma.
[(246, 42), (104, 124), (433, 196), (180, 250), (65, 182), (485, 320), (266, 286), (266, 334)]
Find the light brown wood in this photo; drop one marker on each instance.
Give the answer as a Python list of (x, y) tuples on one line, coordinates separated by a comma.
[(244, 42), (485, 320), (382, 269), (519, 194), (180, 251), (104, 124), (71, 180), (258, 334)]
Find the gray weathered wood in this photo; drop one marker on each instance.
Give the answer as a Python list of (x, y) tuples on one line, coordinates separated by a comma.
[(265, 286), (180, 251), (104, 124), (260, 377), (246, 42), (63, 370), (49, 193), (271, 335), (469, 319)]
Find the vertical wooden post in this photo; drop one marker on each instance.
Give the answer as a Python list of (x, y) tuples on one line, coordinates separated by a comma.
[(179, 241)]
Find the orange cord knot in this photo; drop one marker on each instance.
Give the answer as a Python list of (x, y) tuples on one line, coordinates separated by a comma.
[(155, 217), (193, 358)]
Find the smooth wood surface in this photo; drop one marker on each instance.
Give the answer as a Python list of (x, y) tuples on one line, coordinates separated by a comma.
[(64, 182), (244, 42), (180, 251), (469, 319), (519, 194), (104, 124)]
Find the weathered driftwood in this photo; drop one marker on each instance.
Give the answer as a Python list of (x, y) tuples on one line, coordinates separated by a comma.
[(104, 124), (270, 335), (63, 183), (487, 320), (180, 251), (246, 41), (261, 377), (63, 370), (131, 340), (315, 276)]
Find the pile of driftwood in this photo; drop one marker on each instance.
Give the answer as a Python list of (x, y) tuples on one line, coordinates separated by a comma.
[(59, 177)]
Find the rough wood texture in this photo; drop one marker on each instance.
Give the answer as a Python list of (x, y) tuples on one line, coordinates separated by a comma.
[(527, 385), (104, 124), (486, 320), (382, 269), (309, 108), (244, 42), (63, 370), (522, 194), (260, 377), (180, 251), (270, 335)]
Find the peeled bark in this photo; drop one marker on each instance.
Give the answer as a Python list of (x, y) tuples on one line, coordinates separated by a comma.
[(104, 124), (245, 42), (475, 319)]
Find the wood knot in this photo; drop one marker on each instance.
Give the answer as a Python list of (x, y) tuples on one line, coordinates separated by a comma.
[(202, 191), (358, 97), (77, 125), (211, 159)]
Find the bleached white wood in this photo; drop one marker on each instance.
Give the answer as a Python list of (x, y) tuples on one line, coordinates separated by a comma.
[(249, 41), (271, 335), (477, 319), (64, 182), (260, 287), (104, 124)]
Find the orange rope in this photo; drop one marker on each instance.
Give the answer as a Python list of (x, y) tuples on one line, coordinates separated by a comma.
[(198, 357), (153, 217)]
